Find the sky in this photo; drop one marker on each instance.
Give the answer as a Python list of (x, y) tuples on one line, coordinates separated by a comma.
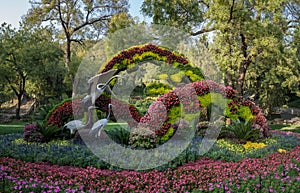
[(11, 11)]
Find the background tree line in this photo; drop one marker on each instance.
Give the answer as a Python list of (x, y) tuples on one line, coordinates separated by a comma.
[(256, 43)]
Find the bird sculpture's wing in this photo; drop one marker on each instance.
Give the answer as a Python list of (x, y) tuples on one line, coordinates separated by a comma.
[(85, 100), (103, 77), (97, 127), (73, 125)]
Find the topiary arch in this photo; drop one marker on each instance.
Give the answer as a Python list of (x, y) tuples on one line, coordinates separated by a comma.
[(133, 56)]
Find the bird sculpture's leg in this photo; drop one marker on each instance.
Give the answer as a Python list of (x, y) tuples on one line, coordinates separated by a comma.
[(99, 132)]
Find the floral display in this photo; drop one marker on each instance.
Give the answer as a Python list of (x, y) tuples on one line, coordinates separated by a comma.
[(254, 145), (32, 133), (203, 174), (63, 112), (141, 53)]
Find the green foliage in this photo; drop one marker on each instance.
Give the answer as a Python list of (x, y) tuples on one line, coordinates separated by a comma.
[(143, 104), (140, 138), (165, 137), (177, 78), (157, 88), (212, 98), (36, 62), (69, 20), (48, 131), (120, 21), (119, 135), (42, 112), (178, 13), (243, 113), (175, 113), (242, 130), (254, 44), (284, 127)]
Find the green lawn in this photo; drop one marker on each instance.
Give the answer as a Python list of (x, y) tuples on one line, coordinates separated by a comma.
[(282, 127), (13, 127)]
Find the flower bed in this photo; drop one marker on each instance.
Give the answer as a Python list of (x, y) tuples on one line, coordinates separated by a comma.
[(64, 152), (204, 174)]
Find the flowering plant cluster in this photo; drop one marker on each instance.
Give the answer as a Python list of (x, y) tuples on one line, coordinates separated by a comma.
[(186, 96), (63, 112), (204, 175), (32, 133), (132, 117), (254, 145)]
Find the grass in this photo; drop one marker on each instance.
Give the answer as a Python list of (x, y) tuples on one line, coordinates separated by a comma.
[(283, 127), (295, 103), (16, 127), (13, 127)]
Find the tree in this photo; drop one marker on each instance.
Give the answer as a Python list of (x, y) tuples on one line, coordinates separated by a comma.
[(75, 20), (248, 38), (24, 55)]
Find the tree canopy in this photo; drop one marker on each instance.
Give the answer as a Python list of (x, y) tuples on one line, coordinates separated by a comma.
[(29, 56), (255, 43), (75, 20)]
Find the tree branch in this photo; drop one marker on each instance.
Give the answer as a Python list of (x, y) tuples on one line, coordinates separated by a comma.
[(202, 31), (103, 18), (63, 23), (80, 41), (204, 3), (231, 11), (11, 86)]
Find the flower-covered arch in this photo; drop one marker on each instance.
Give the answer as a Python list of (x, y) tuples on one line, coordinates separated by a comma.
[(127, 59)]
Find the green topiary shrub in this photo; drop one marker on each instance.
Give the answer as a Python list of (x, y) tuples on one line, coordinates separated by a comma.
[(157, 88), (242, 112), (165, 137)]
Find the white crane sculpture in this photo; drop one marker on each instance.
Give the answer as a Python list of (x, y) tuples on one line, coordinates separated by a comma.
[(100, 124), (75, 125), (98, 91)]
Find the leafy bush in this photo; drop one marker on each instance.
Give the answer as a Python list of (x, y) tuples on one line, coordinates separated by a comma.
[(119, 135), (143, 105), (142, 138), (42, 112), (40, 132), (242, 130), (32, 133), (48, 132), (63, 112)]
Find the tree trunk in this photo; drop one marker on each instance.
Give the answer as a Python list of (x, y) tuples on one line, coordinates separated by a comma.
[(18, 109), (241, 77), (228, 77), (68, 54)]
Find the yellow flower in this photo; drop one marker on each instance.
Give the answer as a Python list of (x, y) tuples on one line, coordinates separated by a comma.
[(254, 145), (281, 150)]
